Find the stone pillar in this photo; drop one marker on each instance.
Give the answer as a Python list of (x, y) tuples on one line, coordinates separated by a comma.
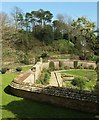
[(41, 60)]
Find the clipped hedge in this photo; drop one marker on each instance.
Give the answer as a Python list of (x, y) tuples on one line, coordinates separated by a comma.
[(51, 66), (3, 70), (75, 64), (18, 69)]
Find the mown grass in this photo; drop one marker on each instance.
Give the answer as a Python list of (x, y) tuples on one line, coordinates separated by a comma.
[(26, 68), (89, 74), (16, 107), (82, 73)]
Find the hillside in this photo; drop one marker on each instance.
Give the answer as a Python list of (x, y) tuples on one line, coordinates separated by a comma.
[(13, 49)]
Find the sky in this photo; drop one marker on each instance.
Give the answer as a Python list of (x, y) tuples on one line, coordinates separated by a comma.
[(72, 9)]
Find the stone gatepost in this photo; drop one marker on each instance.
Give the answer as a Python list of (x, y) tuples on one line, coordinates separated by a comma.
[(41, 60)]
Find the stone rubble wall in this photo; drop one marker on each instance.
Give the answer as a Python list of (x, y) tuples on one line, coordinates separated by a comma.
[(66, 97)]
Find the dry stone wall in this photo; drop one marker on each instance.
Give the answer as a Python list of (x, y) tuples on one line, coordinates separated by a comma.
[(70, 98)]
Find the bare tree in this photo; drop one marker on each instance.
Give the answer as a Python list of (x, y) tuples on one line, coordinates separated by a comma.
[(16, 15)]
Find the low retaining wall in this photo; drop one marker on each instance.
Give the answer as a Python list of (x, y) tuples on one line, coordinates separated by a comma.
[(69, 98)]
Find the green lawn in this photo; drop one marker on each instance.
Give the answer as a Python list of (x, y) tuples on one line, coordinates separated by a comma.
[(16, 107), (25, 68), (89, 74)]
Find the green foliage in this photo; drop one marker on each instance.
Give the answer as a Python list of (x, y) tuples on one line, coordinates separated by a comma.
[(44, 55), (19, 69), (75, 64), (66, 67), (51, 66), (97, 60), (96, 88), (57, 35), (13, 106), (44, 78), (26, 60), (79, 82), (45, 34), (47, 77), (3, 70), (60, 64)]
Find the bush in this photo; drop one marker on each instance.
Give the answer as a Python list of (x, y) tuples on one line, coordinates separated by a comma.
[(79, 82), (66, 67), (44, 55), (25, 60), (91, 67), (96, 88), (75, 64), (60, 64), (51, 66), (97, 60), (46, 77), (3, 70), (18, 69)]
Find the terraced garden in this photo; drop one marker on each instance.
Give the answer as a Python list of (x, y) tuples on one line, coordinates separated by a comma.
[(16, 107)]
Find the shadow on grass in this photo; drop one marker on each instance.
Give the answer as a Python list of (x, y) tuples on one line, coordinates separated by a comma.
[(26, 108), (7, 90), (32, 109)]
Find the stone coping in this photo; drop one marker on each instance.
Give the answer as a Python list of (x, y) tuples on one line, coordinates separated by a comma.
[(58, 91)]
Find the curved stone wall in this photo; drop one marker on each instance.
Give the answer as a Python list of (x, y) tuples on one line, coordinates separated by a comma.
[(70, 98)]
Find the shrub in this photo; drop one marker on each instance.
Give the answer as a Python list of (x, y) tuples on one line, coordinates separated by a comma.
[(61, 68), (97, 60), (60, 64), (79, 82), (66, 67), (91, 67), (51, 66), (46, 77), (3, 70), (44, 55), (75, 64), (18, 69), (26, 60), (96, 88)]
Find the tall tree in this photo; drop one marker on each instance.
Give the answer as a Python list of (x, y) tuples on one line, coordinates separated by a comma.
[(27, 21), (17, 14), (85, 35)]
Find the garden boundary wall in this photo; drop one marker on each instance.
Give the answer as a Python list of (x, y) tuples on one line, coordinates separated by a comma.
[(39, 66), (65, 97)]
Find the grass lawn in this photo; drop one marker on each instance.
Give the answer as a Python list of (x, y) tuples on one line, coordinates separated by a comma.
[(27, 67), (89, 74), (16, 107)]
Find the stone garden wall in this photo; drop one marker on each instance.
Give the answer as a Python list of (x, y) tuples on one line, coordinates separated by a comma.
[(70, 63), (70, 98), (39, 66)]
